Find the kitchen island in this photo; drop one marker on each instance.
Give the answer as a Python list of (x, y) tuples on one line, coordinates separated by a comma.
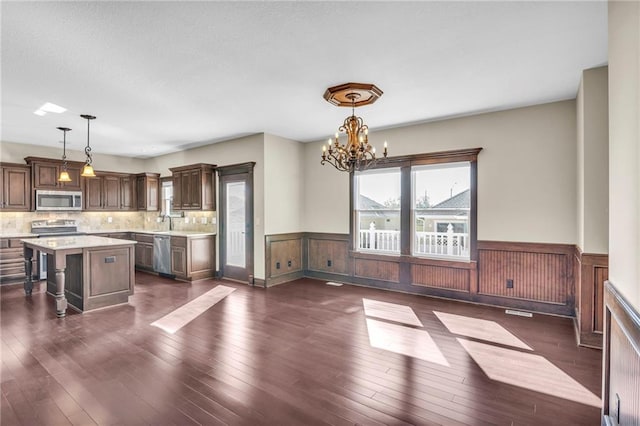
[(90, 272)]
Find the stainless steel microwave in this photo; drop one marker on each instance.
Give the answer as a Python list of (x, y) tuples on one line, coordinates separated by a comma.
[(58, 200)]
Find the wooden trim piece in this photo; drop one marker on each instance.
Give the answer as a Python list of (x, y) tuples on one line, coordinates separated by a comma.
[(57, 161), (567, 249), (202, 166), (621, 358), (234, 169), (452, 156), (326, 236)]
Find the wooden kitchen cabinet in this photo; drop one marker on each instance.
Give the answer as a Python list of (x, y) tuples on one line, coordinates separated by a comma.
[(15, 181), (12, 261), (102, 192), (144, 251), (194, 187), (179, 257), (193, 257), (45, 172), (148, 191), (128, 193)]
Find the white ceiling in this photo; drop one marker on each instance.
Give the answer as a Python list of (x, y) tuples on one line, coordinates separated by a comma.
[(163, 76)]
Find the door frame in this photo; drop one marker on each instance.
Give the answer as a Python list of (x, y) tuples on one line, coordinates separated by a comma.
[(236, 173)]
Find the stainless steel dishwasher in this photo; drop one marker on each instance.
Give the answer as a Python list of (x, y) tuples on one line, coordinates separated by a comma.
[(162, 254)]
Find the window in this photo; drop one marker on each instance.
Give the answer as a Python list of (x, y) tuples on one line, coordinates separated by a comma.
[(420, 206), (378, 210), (440, 208), (166, 196)]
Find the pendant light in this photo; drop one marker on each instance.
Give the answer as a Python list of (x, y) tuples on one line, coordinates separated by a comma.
[(64, 174), (87, 170)]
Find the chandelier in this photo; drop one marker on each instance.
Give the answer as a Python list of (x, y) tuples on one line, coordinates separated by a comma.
[(87, 170), (356, 153)]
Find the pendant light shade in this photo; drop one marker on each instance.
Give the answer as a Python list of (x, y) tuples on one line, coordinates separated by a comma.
[(64, 174), (87, 170)]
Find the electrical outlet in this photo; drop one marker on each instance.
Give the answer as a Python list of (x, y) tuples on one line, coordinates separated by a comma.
[(509, 283), (277, 265), (289, 263), (186, 220), (204, 220), (213, 220), (109, 219), (329, 263), (158, 219)]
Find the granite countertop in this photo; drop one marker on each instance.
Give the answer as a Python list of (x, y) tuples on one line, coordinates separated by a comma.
[(152, 232), (15, 234), (75, 242)]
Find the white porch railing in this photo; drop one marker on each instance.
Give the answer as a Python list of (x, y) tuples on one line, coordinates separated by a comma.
[(444, 243), (381, 240), (441, 243)]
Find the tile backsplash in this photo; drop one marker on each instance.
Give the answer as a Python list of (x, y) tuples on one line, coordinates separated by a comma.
[(99, 221)]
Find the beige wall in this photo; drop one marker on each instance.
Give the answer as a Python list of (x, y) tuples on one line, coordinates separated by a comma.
[(624, 154), (241, 150), (592, 107), (15, 153), (283, 185), (526, 172)]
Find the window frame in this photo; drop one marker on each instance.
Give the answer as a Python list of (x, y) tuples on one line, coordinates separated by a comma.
[(357, 218), (405, 163)]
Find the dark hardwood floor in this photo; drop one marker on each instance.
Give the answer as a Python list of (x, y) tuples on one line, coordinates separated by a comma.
[(295, 354)]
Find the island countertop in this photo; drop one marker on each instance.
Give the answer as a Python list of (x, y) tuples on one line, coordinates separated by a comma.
[(74, 242)]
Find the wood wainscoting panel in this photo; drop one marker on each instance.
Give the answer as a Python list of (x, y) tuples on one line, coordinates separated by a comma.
[(440, 277), (377, 269), (284, 258), (600, 274), (328, 255), (621, 384), (592, 272), (539, 272)]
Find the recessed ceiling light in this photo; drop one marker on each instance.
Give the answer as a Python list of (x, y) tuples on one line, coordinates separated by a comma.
[(49, 107)]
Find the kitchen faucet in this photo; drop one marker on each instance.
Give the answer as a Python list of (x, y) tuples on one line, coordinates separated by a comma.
[(170, 216)]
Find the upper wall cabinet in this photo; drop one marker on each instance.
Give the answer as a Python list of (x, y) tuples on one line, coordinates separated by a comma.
[(102, 192), (194, 187), (45, 172), (148, 191), (15, 181), (128, 192)]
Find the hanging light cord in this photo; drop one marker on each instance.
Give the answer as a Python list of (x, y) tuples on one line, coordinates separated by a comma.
[(87, 149), (64, 146)]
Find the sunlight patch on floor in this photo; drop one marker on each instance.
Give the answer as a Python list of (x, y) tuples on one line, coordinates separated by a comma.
[(528, 371), (186, 313), (480, 329), (405, 341), (391, 311)]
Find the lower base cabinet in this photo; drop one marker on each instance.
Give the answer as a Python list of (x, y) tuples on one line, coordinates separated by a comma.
[(144, 251), (12, 262), (193, 257)]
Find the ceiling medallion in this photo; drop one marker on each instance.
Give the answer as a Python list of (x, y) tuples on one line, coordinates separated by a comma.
[(355, 154)]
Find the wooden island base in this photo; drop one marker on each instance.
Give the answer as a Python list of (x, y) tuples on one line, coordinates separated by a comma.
[(87, 272)]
